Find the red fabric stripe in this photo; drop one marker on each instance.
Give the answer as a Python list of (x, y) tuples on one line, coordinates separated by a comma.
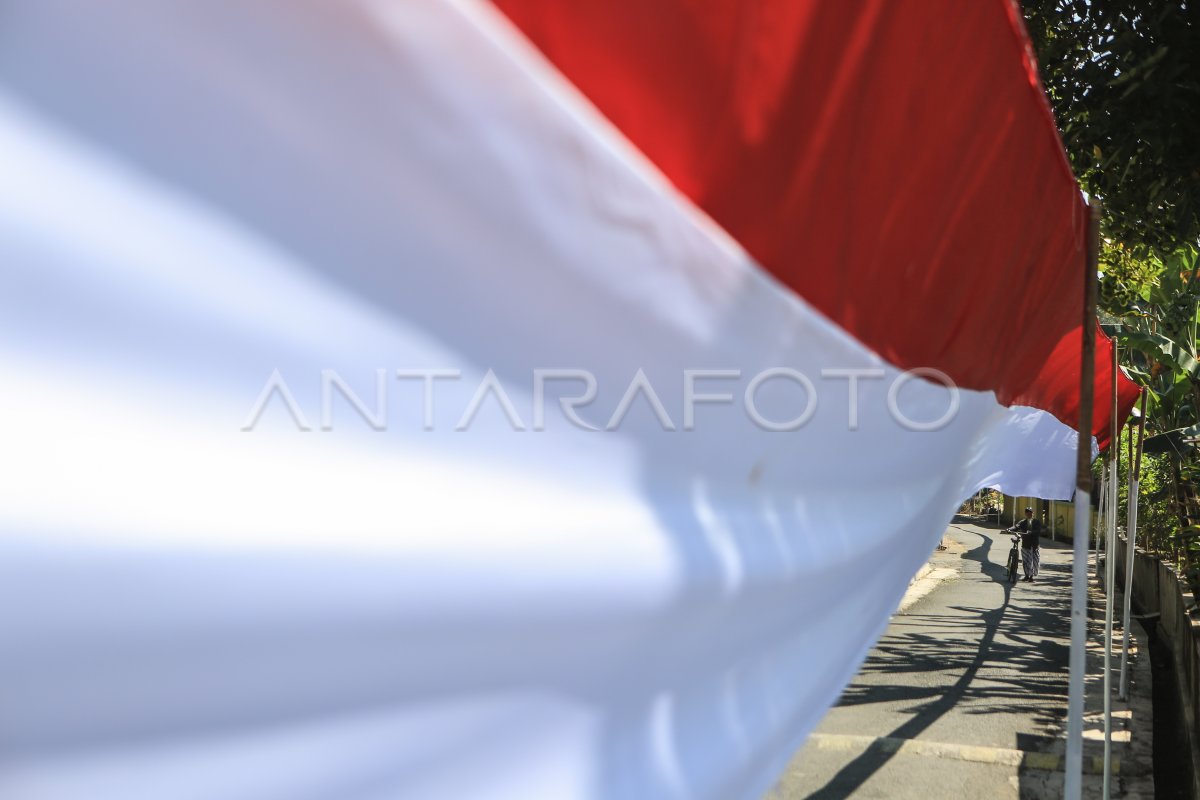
[(893, 163)]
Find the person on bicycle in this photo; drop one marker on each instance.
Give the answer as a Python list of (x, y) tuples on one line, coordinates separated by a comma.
[(1031, 555)]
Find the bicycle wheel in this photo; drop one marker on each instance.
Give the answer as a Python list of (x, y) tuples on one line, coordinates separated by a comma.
[(1012, 567)]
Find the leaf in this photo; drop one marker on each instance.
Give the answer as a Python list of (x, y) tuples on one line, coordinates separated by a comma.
[(1180, 441), (1169, 442), (1163, 349)]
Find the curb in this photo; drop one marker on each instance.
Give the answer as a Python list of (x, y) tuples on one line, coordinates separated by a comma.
[(929, 576), (1023, 759)]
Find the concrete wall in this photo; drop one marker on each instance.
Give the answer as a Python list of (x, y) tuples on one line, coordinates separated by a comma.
[(1157, 588)]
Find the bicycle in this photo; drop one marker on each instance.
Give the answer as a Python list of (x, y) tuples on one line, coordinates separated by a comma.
[(1014, 559)]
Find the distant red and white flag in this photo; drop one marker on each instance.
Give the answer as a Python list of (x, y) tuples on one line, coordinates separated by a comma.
[(530, 399)]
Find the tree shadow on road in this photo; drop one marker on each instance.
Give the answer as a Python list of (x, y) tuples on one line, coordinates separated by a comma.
[(1019, 644)]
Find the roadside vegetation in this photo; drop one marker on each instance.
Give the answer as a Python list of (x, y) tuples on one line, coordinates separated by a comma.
[(1123, 79)]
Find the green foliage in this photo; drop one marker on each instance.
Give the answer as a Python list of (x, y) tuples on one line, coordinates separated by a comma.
[(1175, 296), (1157, 521), (1128, 278), (1159, 525), (1160, 325), (1157, 334), (1123, 78)]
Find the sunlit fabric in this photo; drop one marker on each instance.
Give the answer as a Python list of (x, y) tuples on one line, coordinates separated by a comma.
[(896, 165), (205, 596)]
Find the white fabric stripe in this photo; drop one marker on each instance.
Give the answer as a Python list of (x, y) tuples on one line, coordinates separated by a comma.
[(191, 611)]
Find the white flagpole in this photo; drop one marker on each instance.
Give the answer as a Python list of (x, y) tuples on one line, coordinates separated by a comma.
[(1130, 552), (1083, 508), (1110, 580), (1135, 473), (1101, 513)]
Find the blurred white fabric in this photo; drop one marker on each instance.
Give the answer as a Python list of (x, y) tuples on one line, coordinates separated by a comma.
[(194, 195)]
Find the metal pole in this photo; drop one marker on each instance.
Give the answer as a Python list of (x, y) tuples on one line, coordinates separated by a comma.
[(1083, 508), (1107, 503), (1135, 474), (1052, 508), (1110, 581), (1102, 512)]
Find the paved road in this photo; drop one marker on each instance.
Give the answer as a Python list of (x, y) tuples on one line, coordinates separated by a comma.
[(971, 673)]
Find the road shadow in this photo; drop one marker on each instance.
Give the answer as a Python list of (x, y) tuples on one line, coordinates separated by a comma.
[(1022, 639)]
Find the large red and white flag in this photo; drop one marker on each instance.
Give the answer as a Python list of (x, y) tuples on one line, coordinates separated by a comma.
[(534, 399)]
